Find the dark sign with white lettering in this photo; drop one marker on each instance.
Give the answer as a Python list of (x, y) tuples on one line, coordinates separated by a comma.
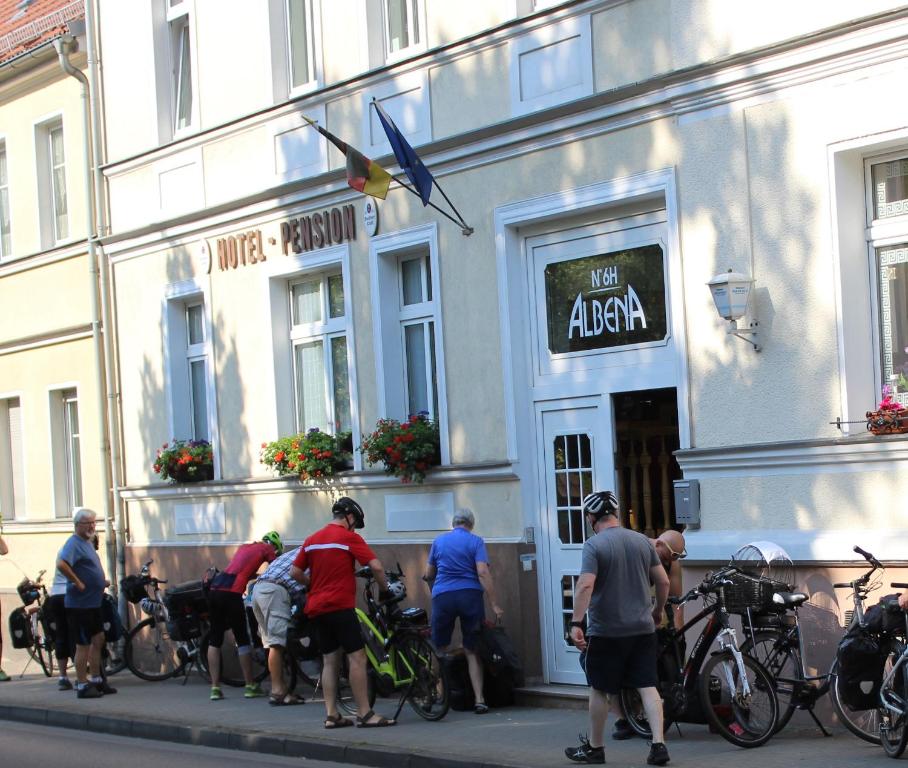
[(606, 301)]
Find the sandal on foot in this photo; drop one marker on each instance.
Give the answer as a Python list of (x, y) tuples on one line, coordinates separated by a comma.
[(337, 721), (285, 700), (480, 709), (382, 722)]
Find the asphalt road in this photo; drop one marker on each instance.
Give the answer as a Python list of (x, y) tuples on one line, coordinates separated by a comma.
[(28, 746)]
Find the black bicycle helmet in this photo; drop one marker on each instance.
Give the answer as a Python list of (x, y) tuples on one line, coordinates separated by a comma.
[(600, 503), (346, 506)]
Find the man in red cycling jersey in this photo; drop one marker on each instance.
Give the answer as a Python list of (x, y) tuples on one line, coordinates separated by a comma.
[(227, 611), (329, 556)]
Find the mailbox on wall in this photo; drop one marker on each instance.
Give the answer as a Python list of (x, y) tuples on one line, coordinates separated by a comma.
[(687, 503)]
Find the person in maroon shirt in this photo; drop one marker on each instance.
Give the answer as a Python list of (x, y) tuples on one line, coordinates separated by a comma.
[(227, 611), (329, 556)]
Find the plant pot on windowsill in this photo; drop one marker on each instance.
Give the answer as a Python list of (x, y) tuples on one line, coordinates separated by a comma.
[(313, 456), (185, 461), (407, 449), (887, 421)]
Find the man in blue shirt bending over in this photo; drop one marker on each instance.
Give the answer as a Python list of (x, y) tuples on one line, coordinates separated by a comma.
[(78, 561), (458, 571)]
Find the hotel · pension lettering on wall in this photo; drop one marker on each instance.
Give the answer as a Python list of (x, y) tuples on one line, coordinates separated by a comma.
[(298, 235)]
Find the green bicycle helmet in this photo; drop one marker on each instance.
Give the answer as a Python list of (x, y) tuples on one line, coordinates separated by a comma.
[(274, 539)]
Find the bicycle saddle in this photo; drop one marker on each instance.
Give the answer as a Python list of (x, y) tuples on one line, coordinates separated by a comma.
[(789, 599)]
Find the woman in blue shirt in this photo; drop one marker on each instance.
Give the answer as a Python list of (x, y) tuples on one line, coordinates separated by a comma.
[(458, 571)]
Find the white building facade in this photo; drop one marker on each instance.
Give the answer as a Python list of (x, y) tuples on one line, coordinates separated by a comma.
[(611, 158)]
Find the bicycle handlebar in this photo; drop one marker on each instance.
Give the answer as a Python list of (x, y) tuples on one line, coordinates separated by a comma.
[(868, 557), (899, 585)]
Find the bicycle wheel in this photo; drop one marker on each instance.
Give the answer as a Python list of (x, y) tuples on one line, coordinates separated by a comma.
[(746, 719), (150, 653), (42, 648), (863, 723), (635, 714), (231, 672), (345, 700), (893, 726), (776, 652), (305, 671), (419, 667), (113, 657)]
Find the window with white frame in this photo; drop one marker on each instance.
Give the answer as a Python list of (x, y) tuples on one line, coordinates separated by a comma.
[(318, 336), (404, 25), (406, 316), (66, 451), (190, 378), (417, 325), (51, 162), (6, 245), (300, 43), (888, 217), (181, 63), (12, 467)]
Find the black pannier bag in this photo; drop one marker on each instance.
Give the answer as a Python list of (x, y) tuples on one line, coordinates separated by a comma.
[(860, 661), (134, 588), (501, 664), (460, 689), (186, 605), (885, 618), (110, 619), (20, 629)]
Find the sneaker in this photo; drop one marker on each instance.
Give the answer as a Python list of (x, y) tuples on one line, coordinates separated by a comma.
[(4, 678), (253, 691), (623, 730), (585, 753), (216, 694), (63, 684), (106, 688), (88, 691), (658, 754)]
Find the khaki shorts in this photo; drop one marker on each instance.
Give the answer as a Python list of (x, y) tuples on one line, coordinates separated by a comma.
[(271, 605)]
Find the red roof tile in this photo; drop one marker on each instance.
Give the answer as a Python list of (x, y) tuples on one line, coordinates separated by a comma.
[(25, 24)]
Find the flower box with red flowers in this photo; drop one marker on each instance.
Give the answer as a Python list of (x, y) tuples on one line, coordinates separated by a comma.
[(313, 455), (890, 417), (408, 449), (185, 461)]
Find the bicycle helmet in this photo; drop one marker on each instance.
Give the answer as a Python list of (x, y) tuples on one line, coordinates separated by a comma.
[(274, 539), (346, 506), (600, 503), (397, 591)]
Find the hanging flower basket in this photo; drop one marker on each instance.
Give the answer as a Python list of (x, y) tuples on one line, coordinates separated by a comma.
[(314, 455), (890, 418), (185, 461), (407, 449)]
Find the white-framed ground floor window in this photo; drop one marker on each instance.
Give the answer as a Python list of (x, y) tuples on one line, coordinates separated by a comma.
[(66, 450), (12, 459)]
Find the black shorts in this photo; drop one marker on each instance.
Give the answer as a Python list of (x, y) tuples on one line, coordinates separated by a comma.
[(226, 610), (57, 622), (613, 663), (338, 629), (84, 624)]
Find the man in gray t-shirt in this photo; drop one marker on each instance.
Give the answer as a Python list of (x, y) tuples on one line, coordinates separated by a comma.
[(616, 573)]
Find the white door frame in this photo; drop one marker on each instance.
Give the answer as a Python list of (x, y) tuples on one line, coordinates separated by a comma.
[(511, 222)]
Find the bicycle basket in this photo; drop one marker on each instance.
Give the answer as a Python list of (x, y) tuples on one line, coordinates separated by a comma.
[(28, 591), (745, 592), (134, 588), (766, 560)]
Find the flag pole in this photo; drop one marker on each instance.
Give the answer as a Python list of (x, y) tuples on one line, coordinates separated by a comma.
[(462, 223), (464, 229)]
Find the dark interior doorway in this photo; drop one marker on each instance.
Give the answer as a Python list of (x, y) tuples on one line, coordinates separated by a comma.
[(646, 437)]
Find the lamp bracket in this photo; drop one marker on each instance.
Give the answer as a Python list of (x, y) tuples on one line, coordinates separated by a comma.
[(744, 333)]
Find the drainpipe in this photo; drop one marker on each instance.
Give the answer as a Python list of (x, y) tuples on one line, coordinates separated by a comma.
[(107, 307), (63, 46)]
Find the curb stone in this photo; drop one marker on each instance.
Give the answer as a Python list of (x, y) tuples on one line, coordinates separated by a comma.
[(314, 749)]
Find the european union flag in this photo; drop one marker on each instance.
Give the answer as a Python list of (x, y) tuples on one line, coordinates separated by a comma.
[(407, 158)]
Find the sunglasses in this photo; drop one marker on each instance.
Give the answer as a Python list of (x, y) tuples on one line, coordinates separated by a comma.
[(675, 555)]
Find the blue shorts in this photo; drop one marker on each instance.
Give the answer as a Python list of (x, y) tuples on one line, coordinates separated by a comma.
[(464, 604)]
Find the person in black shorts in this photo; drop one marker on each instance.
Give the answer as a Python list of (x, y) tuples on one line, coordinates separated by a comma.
[(616, 572)]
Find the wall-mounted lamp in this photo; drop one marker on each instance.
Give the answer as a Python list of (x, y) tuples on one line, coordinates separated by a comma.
[(731, 291)]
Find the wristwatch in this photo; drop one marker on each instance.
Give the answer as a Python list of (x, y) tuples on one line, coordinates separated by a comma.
[(577, 624)]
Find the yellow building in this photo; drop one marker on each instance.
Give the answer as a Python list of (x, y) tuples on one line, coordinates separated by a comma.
[(53, 454)]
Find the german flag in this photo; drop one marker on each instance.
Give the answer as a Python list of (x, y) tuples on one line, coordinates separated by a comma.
[(363, 174)]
